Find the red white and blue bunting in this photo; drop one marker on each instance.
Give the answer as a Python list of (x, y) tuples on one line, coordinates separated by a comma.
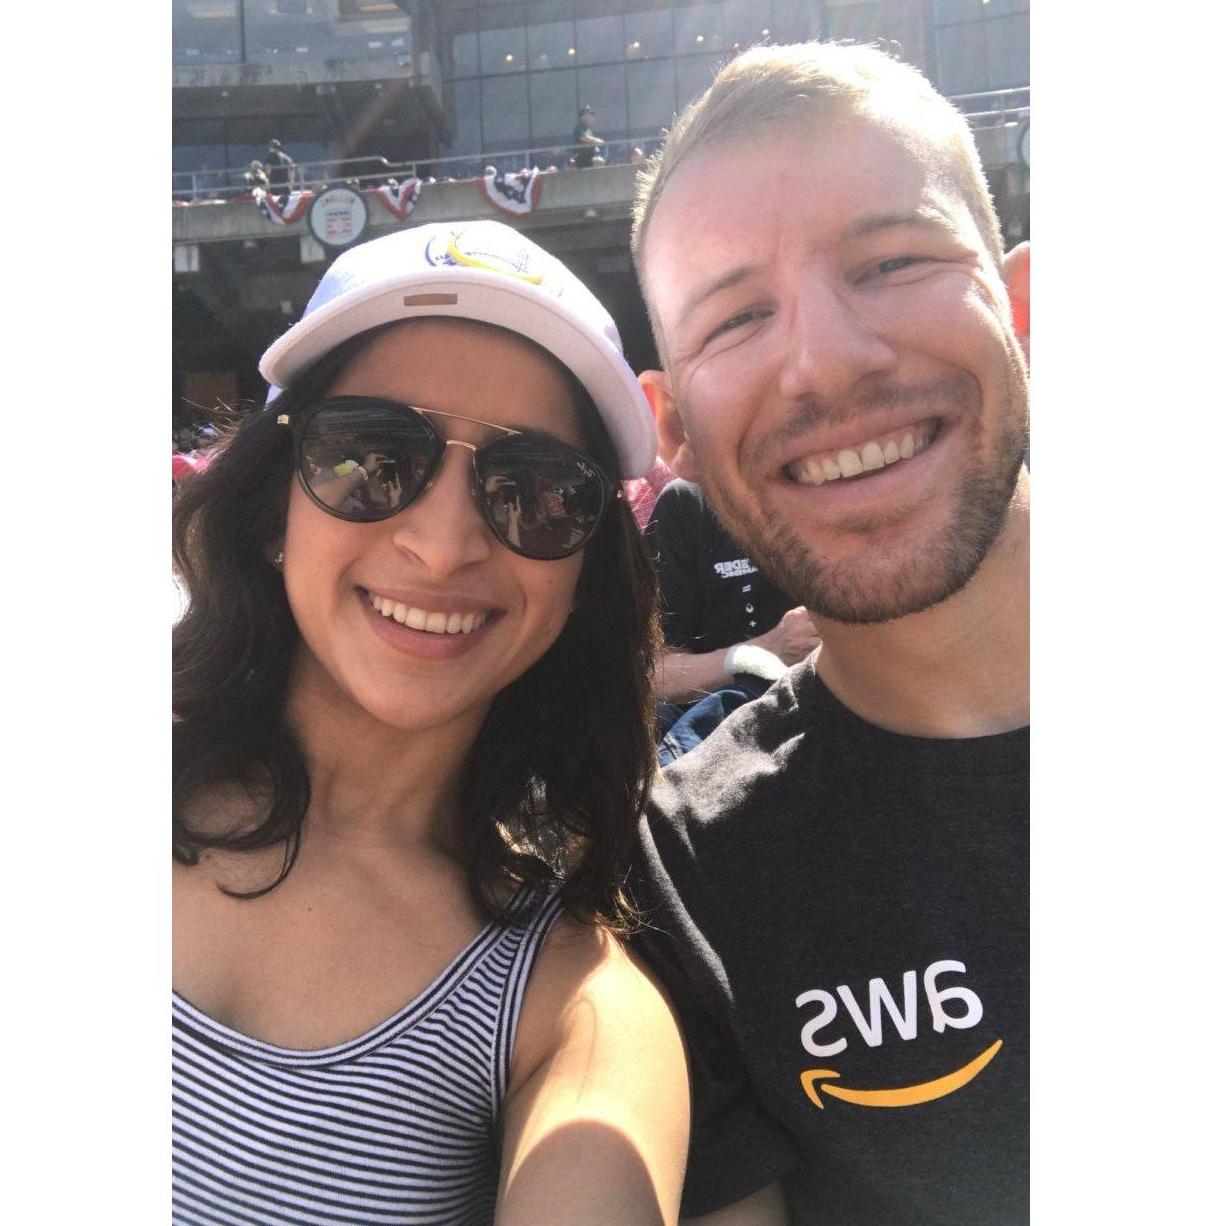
[(399, 200), (517, 193), (295, 206)]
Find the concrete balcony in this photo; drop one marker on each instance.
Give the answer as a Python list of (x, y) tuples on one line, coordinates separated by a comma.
[(568, 197)]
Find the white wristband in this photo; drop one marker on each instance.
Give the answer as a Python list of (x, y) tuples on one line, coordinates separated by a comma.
[(754, 660)]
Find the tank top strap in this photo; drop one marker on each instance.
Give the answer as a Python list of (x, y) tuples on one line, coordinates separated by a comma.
[(536, 912)]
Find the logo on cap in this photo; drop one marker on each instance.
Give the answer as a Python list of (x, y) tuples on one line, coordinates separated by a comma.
[(488, 250)]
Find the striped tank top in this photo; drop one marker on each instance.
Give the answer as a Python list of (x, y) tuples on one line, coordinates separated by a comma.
[(397, 1125)]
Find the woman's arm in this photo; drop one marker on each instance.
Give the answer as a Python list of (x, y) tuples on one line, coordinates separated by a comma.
[(596, 1121)]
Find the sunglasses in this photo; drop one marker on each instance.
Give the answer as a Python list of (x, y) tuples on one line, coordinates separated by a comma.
[(363, 459)]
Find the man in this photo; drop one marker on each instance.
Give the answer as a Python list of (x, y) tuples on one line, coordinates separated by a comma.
[(837, 877), (280, 169), (714, 599), (588, 142), (729, 632)]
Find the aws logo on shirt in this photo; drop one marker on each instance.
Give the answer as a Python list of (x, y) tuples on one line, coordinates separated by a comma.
[(947, 1005)]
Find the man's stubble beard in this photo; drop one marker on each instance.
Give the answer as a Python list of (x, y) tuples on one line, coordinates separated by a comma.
[(919, 575)]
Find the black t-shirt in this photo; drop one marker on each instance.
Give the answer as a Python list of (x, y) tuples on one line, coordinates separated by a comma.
[(841, 917), (713, 595), (278, 164)]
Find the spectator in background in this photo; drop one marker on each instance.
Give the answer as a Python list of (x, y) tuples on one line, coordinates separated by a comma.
[(729, 632), (1016, 271), (256, 176), (280, 168), (641, 492), (587, 141)]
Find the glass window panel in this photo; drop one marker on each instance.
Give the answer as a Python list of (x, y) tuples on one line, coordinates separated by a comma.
[(206, 9), (464, 58), (504, 50), (961, 66), (861, 22), (1008, 48), (354, 10), (539, 12), (652, 95), (555, 105), (694, 74), (551, 45), (504, 113), (459, 42), (956, 10), (205, 32), (947, 11), (605, 89), (278, 30), (600, 39), (649, 34), (747, 21), (794, 22), (464, 115), (698, 29), (197, 157)]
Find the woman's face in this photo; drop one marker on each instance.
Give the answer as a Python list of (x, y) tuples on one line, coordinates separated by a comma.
[(437, 557)]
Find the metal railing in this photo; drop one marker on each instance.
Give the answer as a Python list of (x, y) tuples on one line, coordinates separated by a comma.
[(219, 186), (996, 108)]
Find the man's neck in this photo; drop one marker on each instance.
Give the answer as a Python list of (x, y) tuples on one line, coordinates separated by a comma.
[(958, 670)]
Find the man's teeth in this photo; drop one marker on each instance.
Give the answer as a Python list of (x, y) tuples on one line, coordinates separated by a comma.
[(431, 623), (852, 461)]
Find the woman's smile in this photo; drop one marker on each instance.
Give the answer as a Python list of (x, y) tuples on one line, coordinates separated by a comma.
[(440, 629)]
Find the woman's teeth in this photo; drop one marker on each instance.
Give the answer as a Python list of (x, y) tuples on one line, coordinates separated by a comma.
[(431, 623), (852, 461)]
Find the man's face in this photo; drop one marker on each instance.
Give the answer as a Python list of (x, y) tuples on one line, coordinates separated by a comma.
[(842, 360)]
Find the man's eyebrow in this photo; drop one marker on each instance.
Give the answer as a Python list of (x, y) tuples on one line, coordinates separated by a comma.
[(924, 216), (734, 276)]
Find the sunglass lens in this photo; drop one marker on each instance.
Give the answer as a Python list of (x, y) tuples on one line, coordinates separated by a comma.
[(542, 500), (365, 462)]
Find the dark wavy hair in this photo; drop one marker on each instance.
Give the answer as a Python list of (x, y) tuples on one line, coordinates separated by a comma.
[(560, 770)]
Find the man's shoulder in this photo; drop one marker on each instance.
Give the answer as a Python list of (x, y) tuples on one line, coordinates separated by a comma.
[(678, 509), (681, 494), (757, 744)]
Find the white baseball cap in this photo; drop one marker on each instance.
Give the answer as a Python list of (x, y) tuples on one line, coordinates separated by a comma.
[(481, 270)]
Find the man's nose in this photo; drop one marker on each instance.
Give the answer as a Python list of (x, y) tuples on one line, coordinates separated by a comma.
[(832, 342), (443, 527)]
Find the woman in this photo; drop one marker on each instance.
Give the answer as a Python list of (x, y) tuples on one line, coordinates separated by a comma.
[(412, 724)]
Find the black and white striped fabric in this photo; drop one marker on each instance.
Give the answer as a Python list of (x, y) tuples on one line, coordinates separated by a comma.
[(397, 1125)]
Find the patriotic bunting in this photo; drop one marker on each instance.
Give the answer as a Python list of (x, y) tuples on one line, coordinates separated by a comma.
[(399, 200), (515, 193), (295, 206)]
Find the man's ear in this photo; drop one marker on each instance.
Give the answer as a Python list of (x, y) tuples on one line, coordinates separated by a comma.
[(1016, 272), (674, 446)]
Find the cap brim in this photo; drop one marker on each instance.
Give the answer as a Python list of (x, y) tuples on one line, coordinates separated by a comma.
[(487, 297)]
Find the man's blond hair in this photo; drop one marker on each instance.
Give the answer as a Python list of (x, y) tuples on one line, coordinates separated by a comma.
[(770, 88)]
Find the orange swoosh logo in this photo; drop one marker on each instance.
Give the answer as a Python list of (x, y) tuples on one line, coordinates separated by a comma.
[(903, 1096)]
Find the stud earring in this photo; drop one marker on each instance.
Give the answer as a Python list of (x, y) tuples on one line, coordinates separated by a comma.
[(278, 559)]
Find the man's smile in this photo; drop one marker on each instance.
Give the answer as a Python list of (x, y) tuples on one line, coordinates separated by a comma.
[(867, 455)]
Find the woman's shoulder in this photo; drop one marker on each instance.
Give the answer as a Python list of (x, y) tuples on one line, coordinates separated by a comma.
[(598, 1081), (587, 987)]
